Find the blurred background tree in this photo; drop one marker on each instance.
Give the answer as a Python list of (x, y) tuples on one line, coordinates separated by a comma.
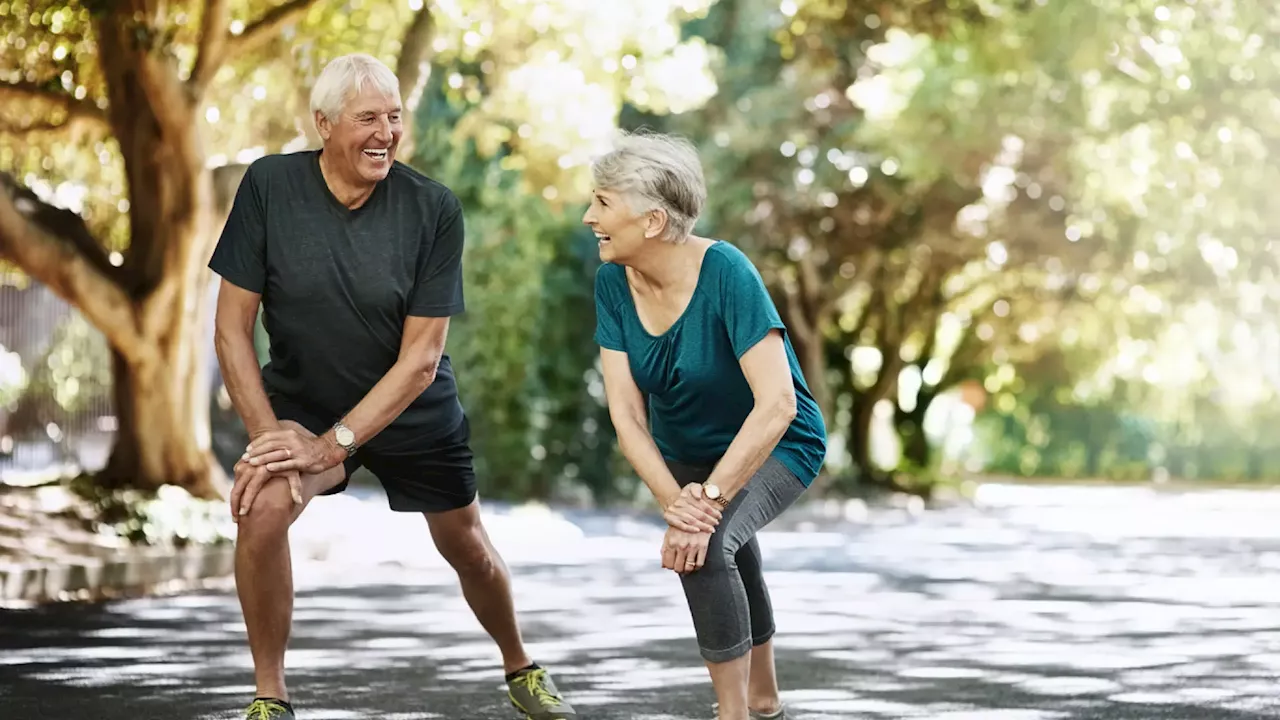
[(1015, 237)]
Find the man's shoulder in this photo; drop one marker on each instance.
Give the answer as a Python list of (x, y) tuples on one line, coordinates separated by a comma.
[(277, 164), (432, 192)]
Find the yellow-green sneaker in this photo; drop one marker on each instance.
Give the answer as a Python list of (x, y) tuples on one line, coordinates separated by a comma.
[(533, 693), (269, 709)]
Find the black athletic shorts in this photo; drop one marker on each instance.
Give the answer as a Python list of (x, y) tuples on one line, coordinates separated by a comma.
[(434, 476)]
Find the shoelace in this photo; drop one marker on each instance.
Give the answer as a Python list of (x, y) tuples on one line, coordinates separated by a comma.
[(535, 682), (263, 710)]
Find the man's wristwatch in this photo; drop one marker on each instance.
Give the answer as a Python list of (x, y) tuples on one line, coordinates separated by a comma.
[(345, 438), (713, 492)]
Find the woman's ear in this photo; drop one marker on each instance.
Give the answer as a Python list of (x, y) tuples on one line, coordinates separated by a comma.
[(655, 223)]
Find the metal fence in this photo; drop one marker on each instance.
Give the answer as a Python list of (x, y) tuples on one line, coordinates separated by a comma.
[(56, 413)]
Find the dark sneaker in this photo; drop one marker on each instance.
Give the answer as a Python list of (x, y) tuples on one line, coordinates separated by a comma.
[(269, 709), (533, 693)]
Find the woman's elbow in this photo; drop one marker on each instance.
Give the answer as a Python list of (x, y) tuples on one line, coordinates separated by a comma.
[(784, 406)]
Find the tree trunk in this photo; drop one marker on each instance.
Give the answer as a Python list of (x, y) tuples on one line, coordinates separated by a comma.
[(162, 402), (860, 433), (156, 409), (812, 354), (910, 428)]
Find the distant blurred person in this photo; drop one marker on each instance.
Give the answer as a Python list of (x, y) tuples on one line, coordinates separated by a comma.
[(356, 260), (730, 435)]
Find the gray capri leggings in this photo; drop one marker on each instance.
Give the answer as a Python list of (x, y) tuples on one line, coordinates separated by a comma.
[(727, 596)]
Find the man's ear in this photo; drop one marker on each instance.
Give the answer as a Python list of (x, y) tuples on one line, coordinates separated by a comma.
[(655, 223), (323, 126)]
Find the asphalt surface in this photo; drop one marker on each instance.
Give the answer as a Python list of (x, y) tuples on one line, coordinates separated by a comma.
[(1040, 605)]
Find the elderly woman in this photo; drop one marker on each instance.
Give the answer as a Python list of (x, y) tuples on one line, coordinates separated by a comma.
[(730, 436)]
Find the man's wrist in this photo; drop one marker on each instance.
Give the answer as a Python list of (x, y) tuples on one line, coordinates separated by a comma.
[(334, 454), (261, 430)]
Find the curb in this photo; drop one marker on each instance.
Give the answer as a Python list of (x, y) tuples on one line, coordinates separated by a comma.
[(130, 572)]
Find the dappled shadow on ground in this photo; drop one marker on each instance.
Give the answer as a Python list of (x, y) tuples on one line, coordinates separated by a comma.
[(993, 614)]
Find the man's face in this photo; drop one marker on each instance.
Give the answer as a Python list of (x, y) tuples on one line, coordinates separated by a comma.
[(363, 141)]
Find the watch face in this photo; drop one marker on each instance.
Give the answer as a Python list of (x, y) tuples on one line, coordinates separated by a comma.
[(344, 436), (713, 492)]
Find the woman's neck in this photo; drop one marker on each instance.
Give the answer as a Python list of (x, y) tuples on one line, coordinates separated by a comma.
[(671, 266)]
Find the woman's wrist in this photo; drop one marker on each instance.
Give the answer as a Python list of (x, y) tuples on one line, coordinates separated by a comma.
[(667, 498)]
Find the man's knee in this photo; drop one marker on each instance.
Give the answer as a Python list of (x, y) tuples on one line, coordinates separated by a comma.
[(271, 513), (466, 551)]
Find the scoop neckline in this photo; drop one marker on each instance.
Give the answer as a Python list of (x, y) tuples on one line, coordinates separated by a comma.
[(697, 290)]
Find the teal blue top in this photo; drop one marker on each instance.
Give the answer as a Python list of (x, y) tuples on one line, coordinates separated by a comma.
[(698, 395)]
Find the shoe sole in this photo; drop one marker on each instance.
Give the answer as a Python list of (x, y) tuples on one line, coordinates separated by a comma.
[(528, 716)]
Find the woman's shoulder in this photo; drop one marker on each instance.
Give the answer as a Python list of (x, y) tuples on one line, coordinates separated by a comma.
[(610, 277), (729, 263)]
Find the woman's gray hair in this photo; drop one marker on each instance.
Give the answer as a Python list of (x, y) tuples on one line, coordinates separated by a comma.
[(345, 77), (655, 171)]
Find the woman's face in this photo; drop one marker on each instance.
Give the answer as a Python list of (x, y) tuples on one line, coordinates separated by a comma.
[(621, 232)]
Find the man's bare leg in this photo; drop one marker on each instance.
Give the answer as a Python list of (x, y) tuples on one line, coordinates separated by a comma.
[(462, 541), (264, 574)]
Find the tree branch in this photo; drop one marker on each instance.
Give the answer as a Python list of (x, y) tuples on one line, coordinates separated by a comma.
[(413, 69), (75, 109), (265, 28), (213, 44), (55, 247)]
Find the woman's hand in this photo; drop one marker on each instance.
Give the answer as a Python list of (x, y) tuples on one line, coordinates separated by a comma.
[(684, 552), (692, 511), (287, 449)]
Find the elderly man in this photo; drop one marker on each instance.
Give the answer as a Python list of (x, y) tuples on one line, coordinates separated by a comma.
[(356, 260)]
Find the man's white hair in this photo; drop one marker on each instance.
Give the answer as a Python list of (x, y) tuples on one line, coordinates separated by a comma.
[(655, 171), (345, 77)]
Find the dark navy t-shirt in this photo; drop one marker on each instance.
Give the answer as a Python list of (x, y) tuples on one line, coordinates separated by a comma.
[(337, 284), (698, 394)]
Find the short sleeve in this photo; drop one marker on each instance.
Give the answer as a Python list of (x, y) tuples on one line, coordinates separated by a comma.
[(608, 327), (748, 311), (240, 256), (438, 291)]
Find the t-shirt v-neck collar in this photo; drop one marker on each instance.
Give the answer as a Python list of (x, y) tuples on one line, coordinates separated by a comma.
[(332, 201)]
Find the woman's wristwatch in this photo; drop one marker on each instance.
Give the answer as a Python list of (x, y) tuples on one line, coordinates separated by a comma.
[(713, 493)]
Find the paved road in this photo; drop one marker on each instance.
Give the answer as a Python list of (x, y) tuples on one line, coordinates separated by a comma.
[(1039, 605)]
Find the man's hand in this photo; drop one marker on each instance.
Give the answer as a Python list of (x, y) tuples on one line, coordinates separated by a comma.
[(684, 552), (692, 511), (250, 479), (289, 450)]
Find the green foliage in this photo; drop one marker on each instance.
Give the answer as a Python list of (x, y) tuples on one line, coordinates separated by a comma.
[(523, 350)]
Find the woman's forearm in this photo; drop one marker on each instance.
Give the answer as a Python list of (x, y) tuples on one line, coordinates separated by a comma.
[(642, 452), (763, 429)]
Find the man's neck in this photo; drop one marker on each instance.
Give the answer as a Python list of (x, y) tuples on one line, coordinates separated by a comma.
[(352, 195)]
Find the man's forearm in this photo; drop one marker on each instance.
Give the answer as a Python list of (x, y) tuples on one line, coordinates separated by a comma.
[(394, 392), (642, 452), (243, 378), (760, 434)]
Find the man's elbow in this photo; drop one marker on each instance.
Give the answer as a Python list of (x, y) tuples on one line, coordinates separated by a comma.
[(424, 371), (227, 337)]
